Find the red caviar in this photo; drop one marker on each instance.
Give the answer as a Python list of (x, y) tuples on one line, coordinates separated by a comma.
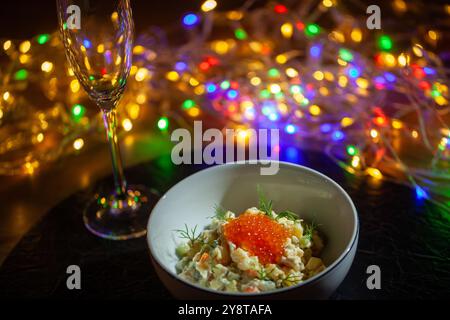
[(258, 234)]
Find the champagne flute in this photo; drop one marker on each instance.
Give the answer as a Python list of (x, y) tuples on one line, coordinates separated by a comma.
[(98, 40)]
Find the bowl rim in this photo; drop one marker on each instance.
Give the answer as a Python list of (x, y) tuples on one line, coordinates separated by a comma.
[(328, 269)]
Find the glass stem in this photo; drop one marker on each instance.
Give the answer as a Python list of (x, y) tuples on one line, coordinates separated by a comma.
[(110, 122)]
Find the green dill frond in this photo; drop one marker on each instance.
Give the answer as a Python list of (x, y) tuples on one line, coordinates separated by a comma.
[(220, 212), (291, 278), (263, 204), (264, 275), (189, 234), (309, 230), (288, 215)]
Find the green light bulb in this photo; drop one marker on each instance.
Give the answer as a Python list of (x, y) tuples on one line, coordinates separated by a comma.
[(345, 55), (385, 43), (187, 104), (43, 38), (312, 30), (352, 150), (21, 74), (273, 73), (225, 85), (163, 123), (78, 110), (240, 34)]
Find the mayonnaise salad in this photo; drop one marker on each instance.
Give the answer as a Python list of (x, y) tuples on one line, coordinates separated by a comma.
[(257, 251)]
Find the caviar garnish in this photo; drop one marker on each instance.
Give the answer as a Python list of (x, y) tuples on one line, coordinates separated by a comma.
[(258, 234)]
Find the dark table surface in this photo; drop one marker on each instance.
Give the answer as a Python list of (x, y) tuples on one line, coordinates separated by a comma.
[(406, 238)]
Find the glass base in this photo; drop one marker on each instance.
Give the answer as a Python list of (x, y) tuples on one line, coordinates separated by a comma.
[(121, 219)]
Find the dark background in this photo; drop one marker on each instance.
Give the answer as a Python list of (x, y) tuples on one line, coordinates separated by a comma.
[(409, 240), (24, 19)]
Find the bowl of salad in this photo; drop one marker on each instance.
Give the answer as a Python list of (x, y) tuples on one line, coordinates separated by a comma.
[(228, 231)]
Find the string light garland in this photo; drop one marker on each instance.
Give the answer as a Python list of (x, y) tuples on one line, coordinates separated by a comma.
[(312, 70)]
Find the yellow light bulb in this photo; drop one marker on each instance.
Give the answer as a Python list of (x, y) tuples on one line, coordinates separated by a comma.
[(318, 75), (40, 137), (374, 133), (403, 59), (141, 74), (440, 100), (355, 162), (374, 173), (281, 59), (199, 90), (324, 91), (138, 49), (399, 6), (337, 36), (235, 15), (101, 48), (256, 46), (433, 35), (24, 58), (114, 16), (389, 60), (220, 46), (274, 88), (78, 144), (287, 30), (356, 35), (343, 81), (314, 110), (347, 121), (133, 110), (193, 82), (255, 81), (7, 44), (25, 46), (327, 3), (208, 5), (341, 62), (172, 76), (47, 66), (362, 83), (74, 86), (418, 50), (127, 124), (141, 98), (328, 76), (133, 70), (396, 124), (291, 72), (193, 112)]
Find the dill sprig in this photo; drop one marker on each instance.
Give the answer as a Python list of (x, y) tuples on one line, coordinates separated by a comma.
[(193, 238), (220, 212), (263, 204), (309, 230), (288, 215), (264, 275), (189, 234), (291, 278)]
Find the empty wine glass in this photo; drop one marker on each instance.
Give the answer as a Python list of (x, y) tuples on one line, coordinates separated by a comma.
[(98, 40)]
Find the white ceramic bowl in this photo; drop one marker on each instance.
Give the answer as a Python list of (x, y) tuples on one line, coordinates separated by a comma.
[(233, 186)]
